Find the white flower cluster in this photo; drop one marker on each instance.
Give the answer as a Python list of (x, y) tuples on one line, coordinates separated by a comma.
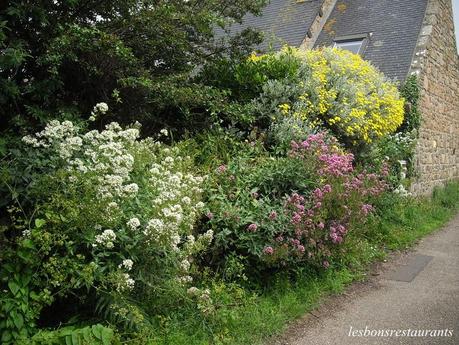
[(54, 133), (133, 223), (405, 139), (105, 153), (195, 292), (105, 239), (99, 109), (203, 297), (126, 283), (126, 264), (400, 190), (176, 200), (185, 265)]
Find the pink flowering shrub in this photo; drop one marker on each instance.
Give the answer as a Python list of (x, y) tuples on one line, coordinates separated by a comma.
[(321, 221), (307, 221)]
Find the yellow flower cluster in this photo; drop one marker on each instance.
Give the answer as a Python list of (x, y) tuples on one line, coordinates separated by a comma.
[(347, 93), (284, 108), (254, 57)]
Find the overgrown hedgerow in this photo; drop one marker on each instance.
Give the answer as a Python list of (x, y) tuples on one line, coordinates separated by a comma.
[(124, 239)]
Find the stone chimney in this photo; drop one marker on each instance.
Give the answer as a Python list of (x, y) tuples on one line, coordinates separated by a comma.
[(317, 24)]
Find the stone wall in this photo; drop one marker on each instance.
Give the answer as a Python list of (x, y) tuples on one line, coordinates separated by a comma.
[(437, 64)]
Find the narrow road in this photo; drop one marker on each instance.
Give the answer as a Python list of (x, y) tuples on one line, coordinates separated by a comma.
[(411, 293)]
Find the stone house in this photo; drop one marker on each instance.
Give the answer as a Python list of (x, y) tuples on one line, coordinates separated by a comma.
[(400, 37)]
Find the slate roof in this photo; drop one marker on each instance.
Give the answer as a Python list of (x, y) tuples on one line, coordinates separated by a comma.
[(282, 22), (394, 24)]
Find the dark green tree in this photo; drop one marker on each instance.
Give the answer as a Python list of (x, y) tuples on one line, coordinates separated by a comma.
[(58, 58)]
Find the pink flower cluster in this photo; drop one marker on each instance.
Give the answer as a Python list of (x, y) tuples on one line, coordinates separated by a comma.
[(252, 227), (221, 169), (366, 209), (332, 161), (337, 232), (268, 250), (336, 164)]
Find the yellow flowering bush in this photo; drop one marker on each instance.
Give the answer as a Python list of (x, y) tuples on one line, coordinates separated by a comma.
[(341, 91)]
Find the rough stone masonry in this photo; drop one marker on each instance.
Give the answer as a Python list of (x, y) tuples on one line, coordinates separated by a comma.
[(437, 63)]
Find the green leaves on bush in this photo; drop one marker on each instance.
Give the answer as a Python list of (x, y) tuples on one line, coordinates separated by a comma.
[(89, 335)]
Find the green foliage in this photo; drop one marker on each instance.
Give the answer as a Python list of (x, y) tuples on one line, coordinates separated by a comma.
[(61, 58), (245, 78), (411, 92), (391, 150), (89, 335), (400, 146), (288, 129)]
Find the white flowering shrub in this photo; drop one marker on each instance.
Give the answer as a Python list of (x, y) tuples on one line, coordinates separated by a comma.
[(114, 215)]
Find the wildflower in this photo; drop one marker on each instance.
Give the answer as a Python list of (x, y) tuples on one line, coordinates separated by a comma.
[(191, 240), (101, 107), (205, 295), (164, 132), (252, 227), (318, 194), (296, 218), (273, 215), (133, 223), (184, 279), (125, 283), (326, 264), (284, 108), (185, 265), (126, 264), (268, 250), (106, 239), (169, 160), (366, 209), (327, 188), (301, 248), (193, 291), (154, 227), (221, 169), (131, 189), (210, 215)]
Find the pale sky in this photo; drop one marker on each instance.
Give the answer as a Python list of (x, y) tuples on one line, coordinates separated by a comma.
[(456, 20)]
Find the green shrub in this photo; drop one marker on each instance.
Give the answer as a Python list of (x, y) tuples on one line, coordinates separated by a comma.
[(391, 150), (289, 211), (60, 58), (89, 335), (331, 88), (412, 93)]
